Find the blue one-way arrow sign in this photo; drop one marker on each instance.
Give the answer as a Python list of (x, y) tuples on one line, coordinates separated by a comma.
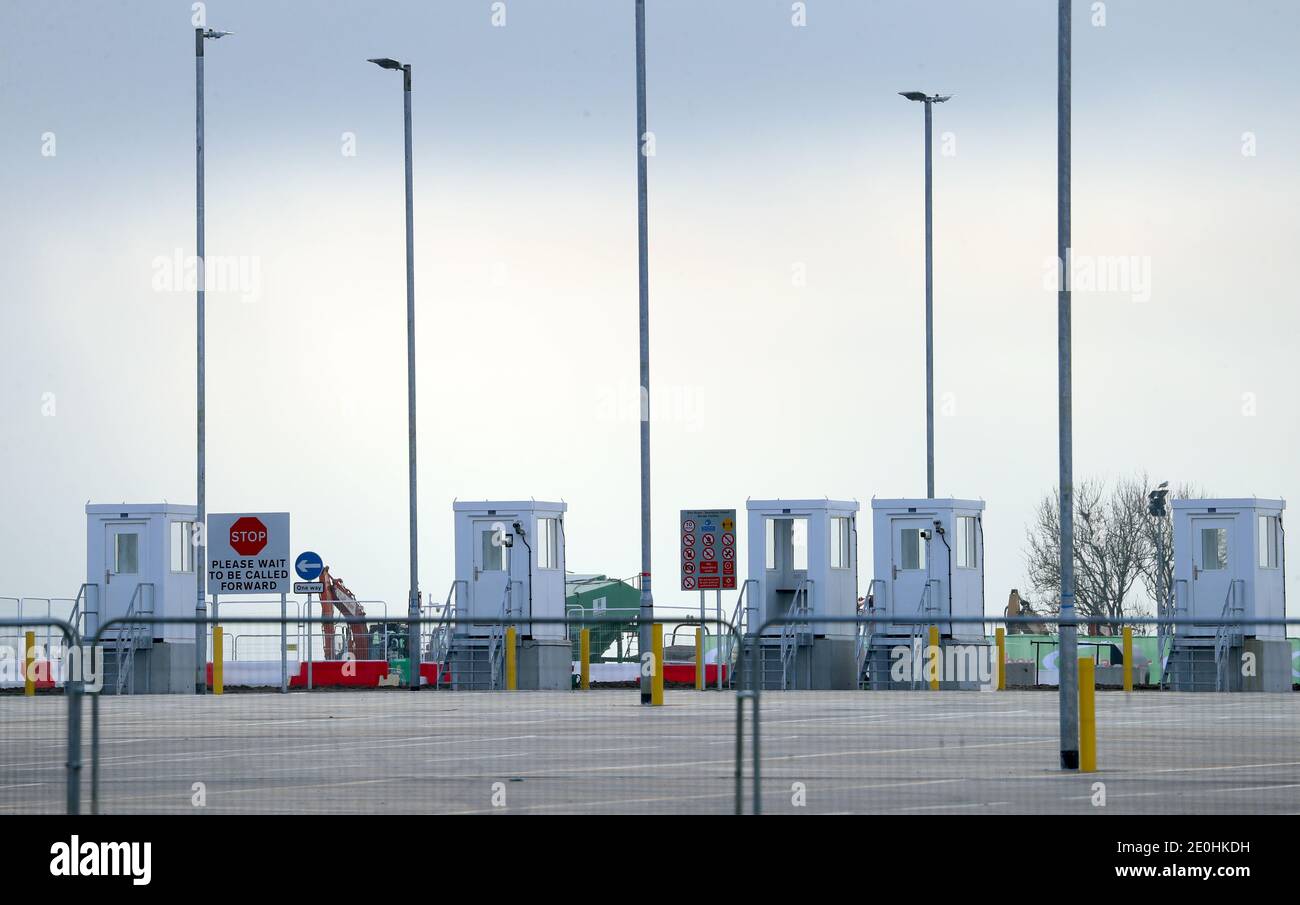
[(308, 566)]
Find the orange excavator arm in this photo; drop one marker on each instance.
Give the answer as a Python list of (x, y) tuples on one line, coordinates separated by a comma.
[(335, 595)]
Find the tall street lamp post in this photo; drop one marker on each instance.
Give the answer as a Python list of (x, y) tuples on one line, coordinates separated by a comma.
[(413, 597), (200, 520)]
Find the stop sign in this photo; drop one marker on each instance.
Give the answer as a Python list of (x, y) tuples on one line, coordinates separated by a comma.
[(248, 536)]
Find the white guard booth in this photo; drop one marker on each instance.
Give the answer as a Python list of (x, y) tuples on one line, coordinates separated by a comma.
[(929, 565), (509, 565), (803, 562), (1229, 564), (140, 561)]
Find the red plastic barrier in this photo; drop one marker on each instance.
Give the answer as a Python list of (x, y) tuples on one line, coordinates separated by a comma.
[(684, 673), (330, 674), (41, 674)]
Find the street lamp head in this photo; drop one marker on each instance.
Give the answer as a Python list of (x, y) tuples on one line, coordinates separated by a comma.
[(386, 63), (923, 97), (210, 33)]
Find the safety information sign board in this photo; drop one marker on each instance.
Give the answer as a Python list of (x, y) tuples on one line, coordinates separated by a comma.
[(708, 549), (248, 553)]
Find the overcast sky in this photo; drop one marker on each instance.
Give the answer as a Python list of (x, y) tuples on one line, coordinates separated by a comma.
[(786, 269)]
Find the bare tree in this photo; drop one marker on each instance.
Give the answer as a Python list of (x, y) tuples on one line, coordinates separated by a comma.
[(1111, 550)]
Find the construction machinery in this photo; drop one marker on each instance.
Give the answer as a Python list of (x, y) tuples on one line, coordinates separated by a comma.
[(1016, 607), (355, 638)]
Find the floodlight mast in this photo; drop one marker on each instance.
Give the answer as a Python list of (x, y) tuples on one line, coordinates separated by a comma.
[(199, 542), (413, 593), (929, 100)]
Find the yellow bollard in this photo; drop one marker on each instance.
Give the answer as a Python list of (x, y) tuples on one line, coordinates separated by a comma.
[(584, 659), (1087, 717), (699, 659), (1128, 658), (657, 680), (218, 665), (29, 664), (1002, 659), (512, 666), (937, 656)]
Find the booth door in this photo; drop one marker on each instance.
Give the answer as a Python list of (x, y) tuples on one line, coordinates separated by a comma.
[(491, 566), (1211, 565), (124, 561), (910, 559)]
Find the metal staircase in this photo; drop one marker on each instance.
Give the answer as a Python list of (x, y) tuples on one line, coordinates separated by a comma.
[(740, 630), (1204, 663), (472, 662), (874, 657), (867, 632), (795, 635), (1229, 637), (919, 638), (128, 640), (778, 655)]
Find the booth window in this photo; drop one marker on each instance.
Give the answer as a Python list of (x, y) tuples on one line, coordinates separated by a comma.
[(770, 544), (182, 546), (913, 552), (126, 554), (1214, 549), (841, 539), (1268, 542), (496, 555), (799, 543), (548, 544), (967, 543)]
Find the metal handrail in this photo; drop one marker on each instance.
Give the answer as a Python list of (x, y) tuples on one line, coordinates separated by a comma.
[(738, 624), (1165, 632), (444, 627), (866, 633), (497, 641), (75, 618), (1226, 634), (73, 690), (753, 692), (133, 630), (925, 609), (790, 632)]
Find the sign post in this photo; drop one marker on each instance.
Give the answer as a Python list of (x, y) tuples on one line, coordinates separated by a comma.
[(248, 554), (708, 560), (309, 566)]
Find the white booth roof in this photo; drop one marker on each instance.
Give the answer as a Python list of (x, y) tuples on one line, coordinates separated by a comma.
[(923, 503), (509, 506), (802, 505), (1204, 505)]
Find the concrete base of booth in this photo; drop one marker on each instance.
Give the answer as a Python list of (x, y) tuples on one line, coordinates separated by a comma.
[(545, 665), (541, 665), (817, 663), (1272, 666), (1192, 666), (901, 664), (164, 668)]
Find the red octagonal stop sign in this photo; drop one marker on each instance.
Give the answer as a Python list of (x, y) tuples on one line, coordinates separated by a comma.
[(248, 536)]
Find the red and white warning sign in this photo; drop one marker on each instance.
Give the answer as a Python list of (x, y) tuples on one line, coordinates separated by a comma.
[(705, 532), (248, 553)]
